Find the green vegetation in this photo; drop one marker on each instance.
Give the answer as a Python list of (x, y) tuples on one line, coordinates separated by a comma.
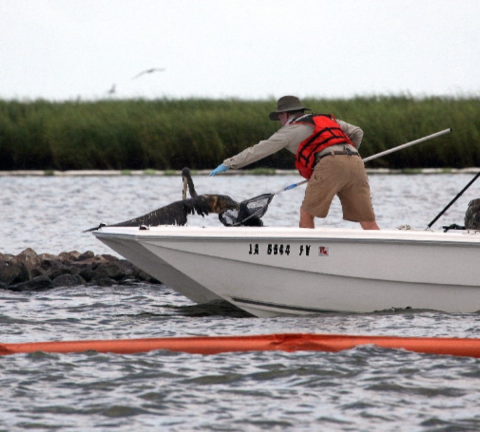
[(149, 172), (412, 171), (262, 171), (164, 134)]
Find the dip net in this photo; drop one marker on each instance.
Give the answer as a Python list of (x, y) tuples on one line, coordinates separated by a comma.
[(249, 212)]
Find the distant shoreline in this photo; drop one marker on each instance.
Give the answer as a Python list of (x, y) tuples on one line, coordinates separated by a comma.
[(173, 173), (139, 136)]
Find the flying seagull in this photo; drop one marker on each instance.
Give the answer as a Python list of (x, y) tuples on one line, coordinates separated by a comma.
[(148, 71)]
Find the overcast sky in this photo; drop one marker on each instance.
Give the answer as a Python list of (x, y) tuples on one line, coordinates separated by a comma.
[(249, 49)]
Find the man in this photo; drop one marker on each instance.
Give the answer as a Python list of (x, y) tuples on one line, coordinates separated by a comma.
[(326, 154)]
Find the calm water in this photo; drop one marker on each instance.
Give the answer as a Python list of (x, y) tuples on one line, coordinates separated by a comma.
[(364, 389)]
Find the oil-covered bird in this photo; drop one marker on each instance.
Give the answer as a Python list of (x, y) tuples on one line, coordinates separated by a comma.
[(177, 212)]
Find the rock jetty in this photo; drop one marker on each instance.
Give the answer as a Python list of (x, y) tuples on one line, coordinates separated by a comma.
[(29, 271)]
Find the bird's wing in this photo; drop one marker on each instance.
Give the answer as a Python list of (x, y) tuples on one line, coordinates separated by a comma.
[(148, 71)]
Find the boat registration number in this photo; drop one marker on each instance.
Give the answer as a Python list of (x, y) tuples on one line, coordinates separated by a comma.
[(286, 249)]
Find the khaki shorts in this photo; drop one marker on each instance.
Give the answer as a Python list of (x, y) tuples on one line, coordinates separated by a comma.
[(344, 176)]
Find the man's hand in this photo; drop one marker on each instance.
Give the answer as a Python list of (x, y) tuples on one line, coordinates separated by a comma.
[(221, 168)]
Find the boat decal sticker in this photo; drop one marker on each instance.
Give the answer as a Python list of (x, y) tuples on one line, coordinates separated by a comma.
[(253, 249), (323, 251)]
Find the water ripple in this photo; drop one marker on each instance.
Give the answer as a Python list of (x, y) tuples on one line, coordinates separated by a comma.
[(362, 389)]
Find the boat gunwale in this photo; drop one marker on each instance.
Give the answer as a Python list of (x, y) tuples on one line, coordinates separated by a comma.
[(469, 239)]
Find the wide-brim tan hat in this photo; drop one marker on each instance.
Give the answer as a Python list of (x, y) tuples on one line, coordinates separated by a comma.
[(286, 104)]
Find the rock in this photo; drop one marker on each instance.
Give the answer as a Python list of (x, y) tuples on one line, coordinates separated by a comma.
[(106, 271), (110, 258), (83, 269), (40, 283), (106, 282), (128, 270), (69, 256), (145, 277), (31, 271), (47, 261), (57, 268), (68, 280), (86, 255), (98, 260), (30, 258), (5, 257), (13, 272)]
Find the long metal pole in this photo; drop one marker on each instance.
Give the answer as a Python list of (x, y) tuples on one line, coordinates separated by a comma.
[(453, 200), (402, 146)]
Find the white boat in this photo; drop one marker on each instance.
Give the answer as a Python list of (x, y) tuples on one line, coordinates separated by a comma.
[(272, 271)]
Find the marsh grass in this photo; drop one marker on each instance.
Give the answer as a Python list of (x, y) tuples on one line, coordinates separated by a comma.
[(167, 135)]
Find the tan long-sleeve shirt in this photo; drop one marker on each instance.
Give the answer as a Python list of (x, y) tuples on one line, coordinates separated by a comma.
[(289, 137)]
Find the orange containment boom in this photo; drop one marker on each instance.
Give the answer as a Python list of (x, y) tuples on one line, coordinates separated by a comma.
[(273, 342)]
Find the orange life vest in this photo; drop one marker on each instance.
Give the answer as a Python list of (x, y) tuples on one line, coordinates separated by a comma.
[(326, 132)]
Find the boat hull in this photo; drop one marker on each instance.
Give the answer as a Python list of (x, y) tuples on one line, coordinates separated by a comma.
[(126, 245), (293, 271)]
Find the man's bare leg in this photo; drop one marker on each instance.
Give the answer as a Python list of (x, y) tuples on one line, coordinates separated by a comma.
[(306, 219), (369, 225)]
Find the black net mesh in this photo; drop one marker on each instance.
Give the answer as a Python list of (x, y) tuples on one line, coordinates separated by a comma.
[(228, 217), (249, 212)]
